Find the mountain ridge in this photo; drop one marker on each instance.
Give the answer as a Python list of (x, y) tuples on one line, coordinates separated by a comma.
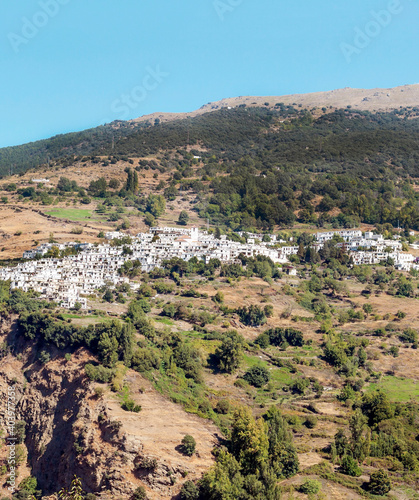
[(377, 99)]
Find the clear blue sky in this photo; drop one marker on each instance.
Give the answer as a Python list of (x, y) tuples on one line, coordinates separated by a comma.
[(68, 65)]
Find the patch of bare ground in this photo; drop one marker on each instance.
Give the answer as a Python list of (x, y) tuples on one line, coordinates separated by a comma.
[(405, 365), (23, 228), (158, 431)]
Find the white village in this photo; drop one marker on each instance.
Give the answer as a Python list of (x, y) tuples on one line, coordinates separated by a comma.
[(69, 280)]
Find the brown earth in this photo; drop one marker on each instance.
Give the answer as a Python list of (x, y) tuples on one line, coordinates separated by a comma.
[(362, 99)]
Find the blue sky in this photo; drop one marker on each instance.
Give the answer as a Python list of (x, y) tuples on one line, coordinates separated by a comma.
[(68, 65)]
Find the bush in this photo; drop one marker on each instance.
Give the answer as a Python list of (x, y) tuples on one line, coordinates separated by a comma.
[(350, 467), (44, 357), (189, 491), (310, 422), (149, 463), (139, 494), (99, 373), (310, 487), (223, 406), (380, 483), (252, 315), (300, 386), (257, 376), (29, 484), (99, 392), (188, 445), (131, 406)]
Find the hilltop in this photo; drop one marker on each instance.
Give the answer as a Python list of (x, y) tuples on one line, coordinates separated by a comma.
[(373, 100)]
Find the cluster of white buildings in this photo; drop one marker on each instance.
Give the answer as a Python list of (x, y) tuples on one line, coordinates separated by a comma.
[(370, 248), (71, 279)]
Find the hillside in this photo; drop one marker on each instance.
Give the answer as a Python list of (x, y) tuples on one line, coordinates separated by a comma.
[(97, 140), (296, 378)]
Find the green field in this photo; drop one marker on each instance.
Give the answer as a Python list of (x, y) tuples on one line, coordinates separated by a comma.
[(74, 214), (397, 389), (165, 321)]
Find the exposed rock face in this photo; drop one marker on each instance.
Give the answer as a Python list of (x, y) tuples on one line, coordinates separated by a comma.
[(70, 430), (57, 413)]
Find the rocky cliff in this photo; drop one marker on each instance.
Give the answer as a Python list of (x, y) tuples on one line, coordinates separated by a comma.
[(70, 429)]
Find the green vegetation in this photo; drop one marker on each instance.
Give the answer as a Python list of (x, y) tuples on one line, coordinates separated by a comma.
[(188, 445), (398, 389), (73, 214)]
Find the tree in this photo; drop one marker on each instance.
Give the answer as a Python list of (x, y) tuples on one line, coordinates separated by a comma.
[(257, 376), (108, 296), (249, 440), (376, 406), (301, 252), (230, 353), (360, 436), (282, 454), (114, 184), (252, 315), (108, 349), (149, 220), (189, 491), (74, 493), (183, 218), (156, 205), (379, 483), (64, 184), (350, 467), (98, 188), (188, 445), (224, 481)]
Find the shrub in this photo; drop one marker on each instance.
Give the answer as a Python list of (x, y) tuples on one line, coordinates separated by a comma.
[(189, 491), (380, 483), (149, 463), (44, 357), (310, 487), (99, 373), (310, 422), (29, 484), (223, 406), (300, 385), (188, 445), (257, 376), (130, 405), (139, 494), (252, 315), (350, 467), (99, 392)]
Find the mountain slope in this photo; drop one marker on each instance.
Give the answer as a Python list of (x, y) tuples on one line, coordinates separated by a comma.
[(101, 140)]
